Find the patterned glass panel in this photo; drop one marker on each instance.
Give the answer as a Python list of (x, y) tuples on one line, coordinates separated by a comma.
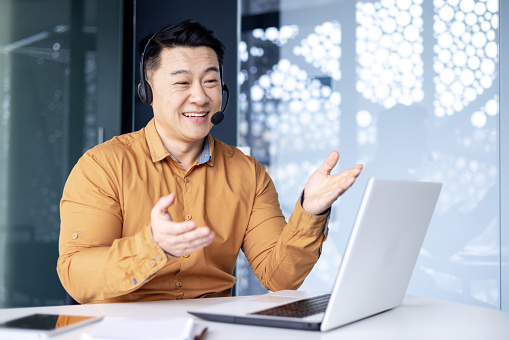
[(407, 87)]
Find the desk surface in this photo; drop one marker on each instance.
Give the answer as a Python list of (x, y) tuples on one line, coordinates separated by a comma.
[(416, 318)]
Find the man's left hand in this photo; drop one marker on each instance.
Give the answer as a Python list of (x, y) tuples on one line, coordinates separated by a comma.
[(323, 189)]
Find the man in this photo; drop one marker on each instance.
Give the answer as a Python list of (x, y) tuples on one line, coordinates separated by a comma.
[(162, 213)]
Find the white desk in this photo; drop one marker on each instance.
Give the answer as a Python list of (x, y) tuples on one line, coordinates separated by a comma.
[(417, 318)]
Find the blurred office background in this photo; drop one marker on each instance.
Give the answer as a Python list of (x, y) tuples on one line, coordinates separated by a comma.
[(413, 89)]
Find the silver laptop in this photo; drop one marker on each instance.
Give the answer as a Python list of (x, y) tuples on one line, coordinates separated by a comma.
[(373, 276)]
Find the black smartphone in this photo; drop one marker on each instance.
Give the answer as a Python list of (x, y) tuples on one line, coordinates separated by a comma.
[(40, 326)]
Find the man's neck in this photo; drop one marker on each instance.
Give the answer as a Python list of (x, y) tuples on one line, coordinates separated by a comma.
[(186, 153)]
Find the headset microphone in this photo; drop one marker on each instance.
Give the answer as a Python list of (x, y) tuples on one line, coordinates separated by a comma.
[(219, 115)]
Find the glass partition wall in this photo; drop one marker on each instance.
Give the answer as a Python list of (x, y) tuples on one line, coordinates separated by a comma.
[(58, 98), (410, 89)]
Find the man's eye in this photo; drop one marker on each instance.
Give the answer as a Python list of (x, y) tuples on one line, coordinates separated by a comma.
[(182, 83)]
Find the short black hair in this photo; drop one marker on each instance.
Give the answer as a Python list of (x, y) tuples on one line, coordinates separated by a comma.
[(185, 34)]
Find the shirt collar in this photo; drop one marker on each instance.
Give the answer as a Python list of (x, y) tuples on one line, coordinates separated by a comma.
[(205, 155), (158, 152)]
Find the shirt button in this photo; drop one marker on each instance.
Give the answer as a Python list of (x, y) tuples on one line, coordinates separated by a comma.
[(152, 263), (74, 236), (159, 257), (189, 217), (186, 179), (179, 284), (134, 281)]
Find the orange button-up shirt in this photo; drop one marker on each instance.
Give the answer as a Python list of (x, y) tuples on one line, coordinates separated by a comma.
[(108, 253)]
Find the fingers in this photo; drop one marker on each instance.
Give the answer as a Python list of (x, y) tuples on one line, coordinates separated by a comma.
[(330, 162), (354, 171), (346, 178), (177, 238), (322, 189), (186, 243), (161, 207), (182, 238)]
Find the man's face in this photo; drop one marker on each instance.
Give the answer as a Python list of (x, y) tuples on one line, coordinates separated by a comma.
[(186, 93)]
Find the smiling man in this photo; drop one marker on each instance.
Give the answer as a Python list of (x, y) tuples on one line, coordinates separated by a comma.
[(162, 213)]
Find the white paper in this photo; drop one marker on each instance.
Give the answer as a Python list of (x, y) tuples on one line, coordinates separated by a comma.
[(141, 329)]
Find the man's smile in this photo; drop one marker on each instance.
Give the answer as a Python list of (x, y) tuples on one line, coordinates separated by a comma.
[(195, 114)]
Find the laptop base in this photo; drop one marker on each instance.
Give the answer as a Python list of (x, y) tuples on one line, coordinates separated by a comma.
[(266, 322)]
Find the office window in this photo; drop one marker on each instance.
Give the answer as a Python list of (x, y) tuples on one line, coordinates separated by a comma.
[(407, 87)]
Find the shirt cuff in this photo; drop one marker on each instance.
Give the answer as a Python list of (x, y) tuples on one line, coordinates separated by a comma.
[(328, 212)]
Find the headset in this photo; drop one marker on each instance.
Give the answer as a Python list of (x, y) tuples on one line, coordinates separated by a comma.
[(145, 92)]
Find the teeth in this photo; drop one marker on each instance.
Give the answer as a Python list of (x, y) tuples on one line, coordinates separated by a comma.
[(195, 114)]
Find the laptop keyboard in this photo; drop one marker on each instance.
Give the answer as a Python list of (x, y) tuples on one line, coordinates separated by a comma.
[(299, 309)]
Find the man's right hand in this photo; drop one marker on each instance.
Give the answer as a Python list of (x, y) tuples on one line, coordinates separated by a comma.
[(177, 238)]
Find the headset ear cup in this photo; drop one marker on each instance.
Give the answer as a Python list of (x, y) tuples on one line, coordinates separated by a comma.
[(141, 93), (145, 92), (148, 93)]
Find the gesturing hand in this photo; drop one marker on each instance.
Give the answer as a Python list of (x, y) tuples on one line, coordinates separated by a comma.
[(323, 189), (177, 238)]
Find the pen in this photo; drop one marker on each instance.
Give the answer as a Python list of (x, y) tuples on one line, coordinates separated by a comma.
[(202, 334)]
